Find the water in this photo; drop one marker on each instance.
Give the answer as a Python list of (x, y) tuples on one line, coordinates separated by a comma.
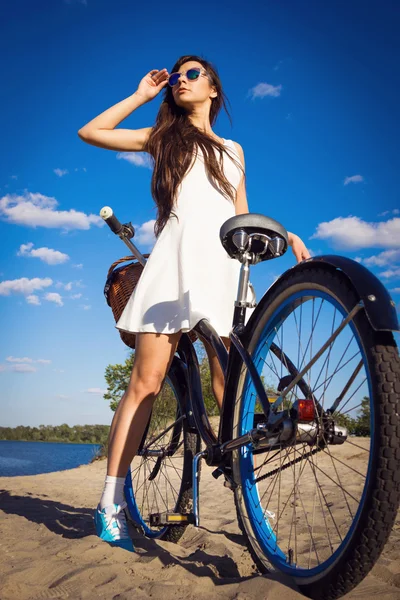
[(31, 458)]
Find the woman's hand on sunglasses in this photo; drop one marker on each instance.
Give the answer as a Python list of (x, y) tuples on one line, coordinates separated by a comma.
[(152, 84)]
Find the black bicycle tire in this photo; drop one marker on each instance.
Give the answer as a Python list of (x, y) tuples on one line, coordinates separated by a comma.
[(383, 494)]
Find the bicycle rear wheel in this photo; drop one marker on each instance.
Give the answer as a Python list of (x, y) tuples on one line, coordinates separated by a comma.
[(160, 477), (316, 511)]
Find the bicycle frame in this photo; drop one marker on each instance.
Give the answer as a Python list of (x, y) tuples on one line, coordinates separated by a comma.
[(196, 415)]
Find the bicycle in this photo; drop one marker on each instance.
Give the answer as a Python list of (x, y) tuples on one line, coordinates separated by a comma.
[(302, 392)]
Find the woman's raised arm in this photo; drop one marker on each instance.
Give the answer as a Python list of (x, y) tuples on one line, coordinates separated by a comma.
[(101, 131)]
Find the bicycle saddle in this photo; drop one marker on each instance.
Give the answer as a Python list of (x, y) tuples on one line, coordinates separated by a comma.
[(254, 223)]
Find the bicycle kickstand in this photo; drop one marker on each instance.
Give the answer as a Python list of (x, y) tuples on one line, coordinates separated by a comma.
[(196, 478)]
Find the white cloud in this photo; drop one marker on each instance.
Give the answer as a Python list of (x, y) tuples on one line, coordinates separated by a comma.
[(78, 266), (353, 179), (47, 255), (33, 299), (384, 258), (62, 397), (23, 285), (26, 359), (75, 296), (60, 172), (68, 286), (353, 232), (19, 360), (96, 391), (139, 159), (391, 273), (395, 211), (144, 234), (23, 368), (54, 297), (265, 89), (37, 210), (86, 306), (395, 290)]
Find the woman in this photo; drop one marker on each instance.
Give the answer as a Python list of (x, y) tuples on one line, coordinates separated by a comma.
[(188, 275)]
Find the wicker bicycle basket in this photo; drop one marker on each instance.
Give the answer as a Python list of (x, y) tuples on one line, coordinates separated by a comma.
[(121, 282)]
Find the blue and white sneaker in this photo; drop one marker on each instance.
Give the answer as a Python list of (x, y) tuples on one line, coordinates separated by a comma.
[(111, 526)]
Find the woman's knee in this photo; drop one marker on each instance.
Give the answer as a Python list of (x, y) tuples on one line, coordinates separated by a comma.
[(144, 384), (153, 357)]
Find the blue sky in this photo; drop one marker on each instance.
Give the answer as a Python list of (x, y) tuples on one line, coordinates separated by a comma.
[(314, 93)]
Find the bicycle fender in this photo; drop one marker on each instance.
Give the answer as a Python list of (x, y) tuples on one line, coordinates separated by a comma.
[(379, 306)]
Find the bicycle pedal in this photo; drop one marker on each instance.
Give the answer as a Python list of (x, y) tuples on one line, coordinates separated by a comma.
[(227, 473), (169, 518), (230, 484), (217, 473)]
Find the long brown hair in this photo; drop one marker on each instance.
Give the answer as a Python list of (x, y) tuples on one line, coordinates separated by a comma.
[(172, 143)]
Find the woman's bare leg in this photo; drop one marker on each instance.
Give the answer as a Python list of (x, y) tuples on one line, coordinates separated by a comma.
[(154, 353), (153, 357), (217, 376)]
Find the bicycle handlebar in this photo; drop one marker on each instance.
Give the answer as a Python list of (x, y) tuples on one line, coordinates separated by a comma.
[(108, 216)]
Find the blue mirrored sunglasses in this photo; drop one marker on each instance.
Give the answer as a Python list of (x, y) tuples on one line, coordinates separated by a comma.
[(191, 74)]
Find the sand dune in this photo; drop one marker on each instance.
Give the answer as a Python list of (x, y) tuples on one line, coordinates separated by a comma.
[(49, 549)]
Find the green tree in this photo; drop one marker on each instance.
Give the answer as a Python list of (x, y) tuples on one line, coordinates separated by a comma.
[(206, 385), (117, 379), (346, 421), (91, 434), (363, 427)]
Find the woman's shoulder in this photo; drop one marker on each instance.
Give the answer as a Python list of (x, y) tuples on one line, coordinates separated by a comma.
[(239, 150)]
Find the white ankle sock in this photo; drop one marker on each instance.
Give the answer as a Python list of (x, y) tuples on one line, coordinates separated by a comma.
[(113, 492)]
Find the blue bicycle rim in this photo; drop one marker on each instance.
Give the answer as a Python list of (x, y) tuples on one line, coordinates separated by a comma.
[(135, 513), (260, 525)]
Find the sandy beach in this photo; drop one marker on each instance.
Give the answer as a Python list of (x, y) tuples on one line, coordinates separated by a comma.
[(49, 549)]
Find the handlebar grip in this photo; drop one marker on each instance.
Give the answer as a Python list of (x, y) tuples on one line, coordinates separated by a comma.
[(108, 216)]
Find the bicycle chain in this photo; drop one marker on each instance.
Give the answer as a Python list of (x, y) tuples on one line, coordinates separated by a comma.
[(287, 465)]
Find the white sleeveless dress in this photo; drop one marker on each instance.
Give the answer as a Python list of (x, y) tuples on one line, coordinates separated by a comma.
[(189, 275)]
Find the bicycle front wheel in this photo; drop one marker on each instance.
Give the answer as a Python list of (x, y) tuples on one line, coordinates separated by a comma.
[(313, 508), (159, 481)]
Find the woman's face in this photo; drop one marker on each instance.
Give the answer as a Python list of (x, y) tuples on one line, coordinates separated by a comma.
[(188, 92)]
